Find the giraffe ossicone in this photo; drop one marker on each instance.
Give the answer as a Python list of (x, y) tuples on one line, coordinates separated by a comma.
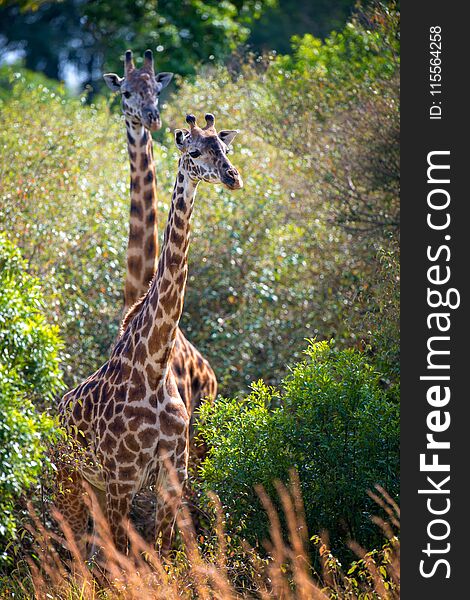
[(129, 415)]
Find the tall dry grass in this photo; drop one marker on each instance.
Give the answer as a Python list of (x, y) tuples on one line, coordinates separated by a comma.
[(188, 572)]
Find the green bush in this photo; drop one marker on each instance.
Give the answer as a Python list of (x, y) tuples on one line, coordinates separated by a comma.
[(332, 421), (363, 53), (29, 373), (380, 320)]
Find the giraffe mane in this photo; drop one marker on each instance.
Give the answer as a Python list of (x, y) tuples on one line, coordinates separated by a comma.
[(131, 313)]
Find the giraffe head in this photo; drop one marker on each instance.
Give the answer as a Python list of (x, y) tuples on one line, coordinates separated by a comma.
[(140, 90), (205, 152)]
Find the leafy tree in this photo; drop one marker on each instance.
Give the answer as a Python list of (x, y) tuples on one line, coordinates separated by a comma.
[(42, 34), (184, 33), (334, 424), (339, 99), (92, 35), (29, 373)]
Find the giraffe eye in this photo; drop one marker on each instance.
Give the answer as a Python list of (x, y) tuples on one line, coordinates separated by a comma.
[(195, 153), (126, 94)]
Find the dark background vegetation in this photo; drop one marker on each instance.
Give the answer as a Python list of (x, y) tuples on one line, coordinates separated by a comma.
[(91, 35), (308, 249)]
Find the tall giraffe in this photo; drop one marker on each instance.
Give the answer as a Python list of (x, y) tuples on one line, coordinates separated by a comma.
[(129, 416), (140, 90)]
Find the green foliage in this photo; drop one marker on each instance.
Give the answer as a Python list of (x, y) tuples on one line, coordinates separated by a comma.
[(91, 34), (334, 424), (9, 79), (358, 580), (64, 201), (340, 99), (29, 372), (290, 17), (380, 322), (367, 49), (94, 35), (184, 33), (28, 345), (294, 254)]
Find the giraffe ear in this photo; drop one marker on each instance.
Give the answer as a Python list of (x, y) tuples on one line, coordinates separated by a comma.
[(164, 79), (181, 136), (228, 135), (113, 81)]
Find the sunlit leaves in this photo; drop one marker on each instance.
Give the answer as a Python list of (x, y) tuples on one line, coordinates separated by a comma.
[(29, 372), (331, 420)]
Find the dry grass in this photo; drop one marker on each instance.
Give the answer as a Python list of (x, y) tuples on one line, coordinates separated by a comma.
[(191, 573)]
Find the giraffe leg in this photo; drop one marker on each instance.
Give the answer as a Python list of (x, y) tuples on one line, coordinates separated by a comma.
[(70, 502), (118, 504), (98, 511), (170, 484)]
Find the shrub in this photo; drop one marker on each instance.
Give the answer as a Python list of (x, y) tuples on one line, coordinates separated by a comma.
[(379, 322), (340, 99), (331, 420), (29, 372)]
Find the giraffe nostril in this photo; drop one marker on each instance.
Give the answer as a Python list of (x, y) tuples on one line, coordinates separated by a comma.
[(232, 179), (151, 114), (151, 118)]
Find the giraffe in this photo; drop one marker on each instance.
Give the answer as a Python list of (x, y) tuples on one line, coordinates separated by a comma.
[(129, 416), (140, 90)]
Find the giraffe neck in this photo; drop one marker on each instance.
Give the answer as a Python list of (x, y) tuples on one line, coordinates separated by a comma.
[(154, 327), (142, 251)]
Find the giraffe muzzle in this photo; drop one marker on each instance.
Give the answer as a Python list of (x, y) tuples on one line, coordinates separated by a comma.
[(151, 119), (232, 179)]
